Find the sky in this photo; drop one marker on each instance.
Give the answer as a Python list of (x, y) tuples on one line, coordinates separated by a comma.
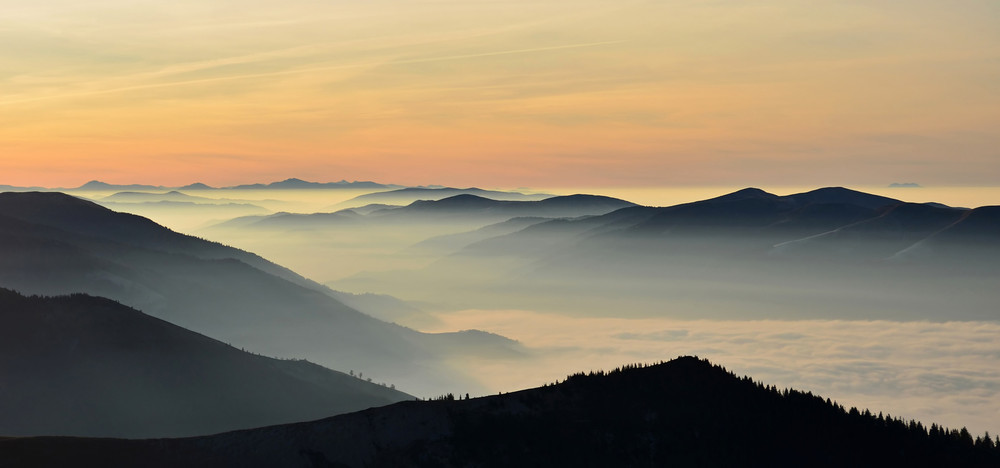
[(510, 93)]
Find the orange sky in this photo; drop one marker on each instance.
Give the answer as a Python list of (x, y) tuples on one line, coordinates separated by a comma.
[(542, 93)]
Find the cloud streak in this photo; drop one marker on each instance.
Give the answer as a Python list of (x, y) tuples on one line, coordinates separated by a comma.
[(297, 71)]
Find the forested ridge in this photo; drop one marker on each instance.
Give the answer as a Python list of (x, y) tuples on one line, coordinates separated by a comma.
[(685, 412)]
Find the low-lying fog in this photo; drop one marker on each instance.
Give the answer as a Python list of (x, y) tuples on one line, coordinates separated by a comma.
[(946, 372), (914, 342)]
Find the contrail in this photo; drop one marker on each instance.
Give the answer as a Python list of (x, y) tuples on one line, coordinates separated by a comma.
[(306, 70)]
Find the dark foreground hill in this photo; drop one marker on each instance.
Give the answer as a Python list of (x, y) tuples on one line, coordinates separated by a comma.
[(682, 413), (83, 365)]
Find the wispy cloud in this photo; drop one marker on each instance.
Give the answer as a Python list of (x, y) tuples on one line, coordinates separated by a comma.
[(296, 71)]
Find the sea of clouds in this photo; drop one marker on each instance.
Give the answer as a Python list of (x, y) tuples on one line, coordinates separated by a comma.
[(943, 372)]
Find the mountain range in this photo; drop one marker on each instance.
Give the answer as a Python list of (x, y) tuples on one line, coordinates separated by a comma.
[(685, 412), (178, 344), (463, 209), (55, 244), (831, 252), (299, 184), (287, 184)]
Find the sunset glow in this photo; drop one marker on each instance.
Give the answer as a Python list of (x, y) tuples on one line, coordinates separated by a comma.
[(551, 93)]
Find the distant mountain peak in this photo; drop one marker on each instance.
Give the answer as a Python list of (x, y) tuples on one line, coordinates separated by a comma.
[(836, 190), (196, 186), (95, 184), (742, 194)]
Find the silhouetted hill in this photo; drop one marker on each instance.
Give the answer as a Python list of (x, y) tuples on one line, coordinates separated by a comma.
[(406, 196), (89, 366), (743, 194), (196, 186), (749, 221), (835, 224), (74, 215), (753, 210), (843, 196), (471, 205), (685, 412), (368, 209), (52, 244)]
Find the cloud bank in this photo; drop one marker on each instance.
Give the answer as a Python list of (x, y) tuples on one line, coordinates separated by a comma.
[(947, 372)]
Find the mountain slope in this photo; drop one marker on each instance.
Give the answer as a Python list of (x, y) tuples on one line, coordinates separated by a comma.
[(451, 242), (53, 244), (88, 366), (682, 413)]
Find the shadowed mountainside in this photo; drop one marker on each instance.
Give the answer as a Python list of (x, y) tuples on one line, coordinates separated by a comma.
[(831, 252), (685, 412), (88, 366), (52, 244)]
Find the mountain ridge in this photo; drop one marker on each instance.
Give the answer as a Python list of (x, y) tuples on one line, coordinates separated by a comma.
[(684, 412)]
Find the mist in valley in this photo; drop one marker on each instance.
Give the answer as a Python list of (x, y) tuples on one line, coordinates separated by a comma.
[(856, 296), (376, 233)]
